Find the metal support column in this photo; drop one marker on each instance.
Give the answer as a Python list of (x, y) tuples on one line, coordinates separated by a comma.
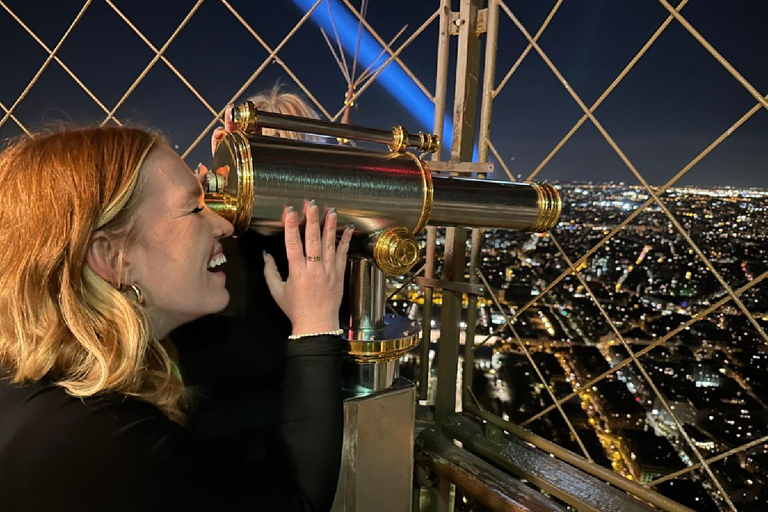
[(454, 262), (426, 317), (441, 88), (489, 79), (468, 370)]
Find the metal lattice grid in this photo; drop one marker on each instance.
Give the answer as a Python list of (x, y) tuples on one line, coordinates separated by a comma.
[(217, 113), (654, 199)]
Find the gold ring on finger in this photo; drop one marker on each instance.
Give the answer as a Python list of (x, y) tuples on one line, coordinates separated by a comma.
[(314, 258)]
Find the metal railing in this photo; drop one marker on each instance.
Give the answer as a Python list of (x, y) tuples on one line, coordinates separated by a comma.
[(495, 14)]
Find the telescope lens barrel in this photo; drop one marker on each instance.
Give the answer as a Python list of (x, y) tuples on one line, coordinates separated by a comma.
[(492, 204), (373, 190)]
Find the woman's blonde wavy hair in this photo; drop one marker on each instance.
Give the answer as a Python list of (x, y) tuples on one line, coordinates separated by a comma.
[(58, 318)]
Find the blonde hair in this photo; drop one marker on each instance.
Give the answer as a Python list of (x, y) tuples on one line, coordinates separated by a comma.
[(58, 318), (288, 103)]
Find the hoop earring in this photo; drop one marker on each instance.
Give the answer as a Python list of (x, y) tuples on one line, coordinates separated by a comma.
[(136, 291)]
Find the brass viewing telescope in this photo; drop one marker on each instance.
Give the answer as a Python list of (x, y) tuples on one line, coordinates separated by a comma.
[(389, 196)]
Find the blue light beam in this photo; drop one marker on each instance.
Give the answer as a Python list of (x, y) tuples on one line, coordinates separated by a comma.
[(394, 79)]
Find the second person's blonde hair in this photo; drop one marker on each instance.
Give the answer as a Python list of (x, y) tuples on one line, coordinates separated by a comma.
[(276, 101)]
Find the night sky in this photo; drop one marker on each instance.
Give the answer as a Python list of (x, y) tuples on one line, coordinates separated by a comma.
[(671, 106)]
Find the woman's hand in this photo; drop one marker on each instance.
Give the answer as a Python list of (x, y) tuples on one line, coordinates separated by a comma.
[(221, 132), (218, 135), (311, 296)]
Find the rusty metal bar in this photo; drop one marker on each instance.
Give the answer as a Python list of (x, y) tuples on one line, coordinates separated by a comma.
[(454, 260), (468, 369), (467, 71), (465, 109), (454, 263), (426, 315), (451, 286), (491, 486), (486, 108), (441, 82), (441, 88)]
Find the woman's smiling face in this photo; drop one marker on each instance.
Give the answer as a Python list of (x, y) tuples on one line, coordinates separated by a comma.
[(176, 255)]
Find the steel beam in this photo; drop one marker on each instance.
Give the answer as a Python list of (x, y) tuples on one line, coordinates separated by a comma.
[(454, 262)]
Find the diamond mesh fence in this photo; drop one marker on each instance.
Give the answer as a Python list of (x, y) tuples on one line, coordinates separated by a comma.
[(639, 321)]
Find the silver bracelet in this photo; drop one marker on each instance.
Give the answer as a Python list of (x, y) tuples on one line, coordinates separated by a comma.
[(337, 332)]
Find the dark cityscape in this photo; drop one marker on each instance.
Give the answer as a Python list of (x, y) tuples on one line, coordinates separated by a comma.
[(711, 372)]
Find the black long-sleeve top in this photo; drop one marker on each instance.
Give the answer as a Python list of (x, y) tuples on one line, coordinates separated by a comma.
[(235, 360), (115, 453)]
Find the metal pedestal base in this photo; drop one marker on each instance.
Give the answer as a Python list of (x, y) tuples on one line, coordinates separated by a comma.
[(366, 378), (377, 459)]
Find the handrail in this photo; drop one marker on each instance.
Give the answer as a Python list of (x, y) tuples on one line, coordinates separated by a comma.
[(477, 478), (579, 462)]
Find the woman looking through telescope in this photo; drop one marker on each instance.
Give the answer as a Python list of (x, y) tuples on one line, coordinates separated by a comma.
[(107, 247), (238, 356)]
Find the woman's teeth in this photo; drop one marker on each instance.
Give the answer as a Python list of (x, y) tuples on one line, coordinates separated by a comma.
[(217, 260)]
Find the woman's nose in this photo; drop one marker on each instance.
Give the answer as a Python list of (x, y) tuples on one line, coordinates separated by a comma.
[(224, 225), (228, 228)]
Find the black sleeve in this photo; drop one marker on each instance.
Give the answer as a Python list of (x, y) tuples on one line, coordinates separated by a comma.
[(301, 473), (312, 421)]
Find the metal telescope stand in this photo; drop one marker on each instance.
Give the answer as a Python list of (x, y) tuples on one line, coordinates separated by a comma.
[(377, 458)]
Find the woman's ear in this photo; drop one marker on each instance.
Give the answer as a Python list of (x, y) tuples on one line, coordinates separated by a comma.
[(103, 258)]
